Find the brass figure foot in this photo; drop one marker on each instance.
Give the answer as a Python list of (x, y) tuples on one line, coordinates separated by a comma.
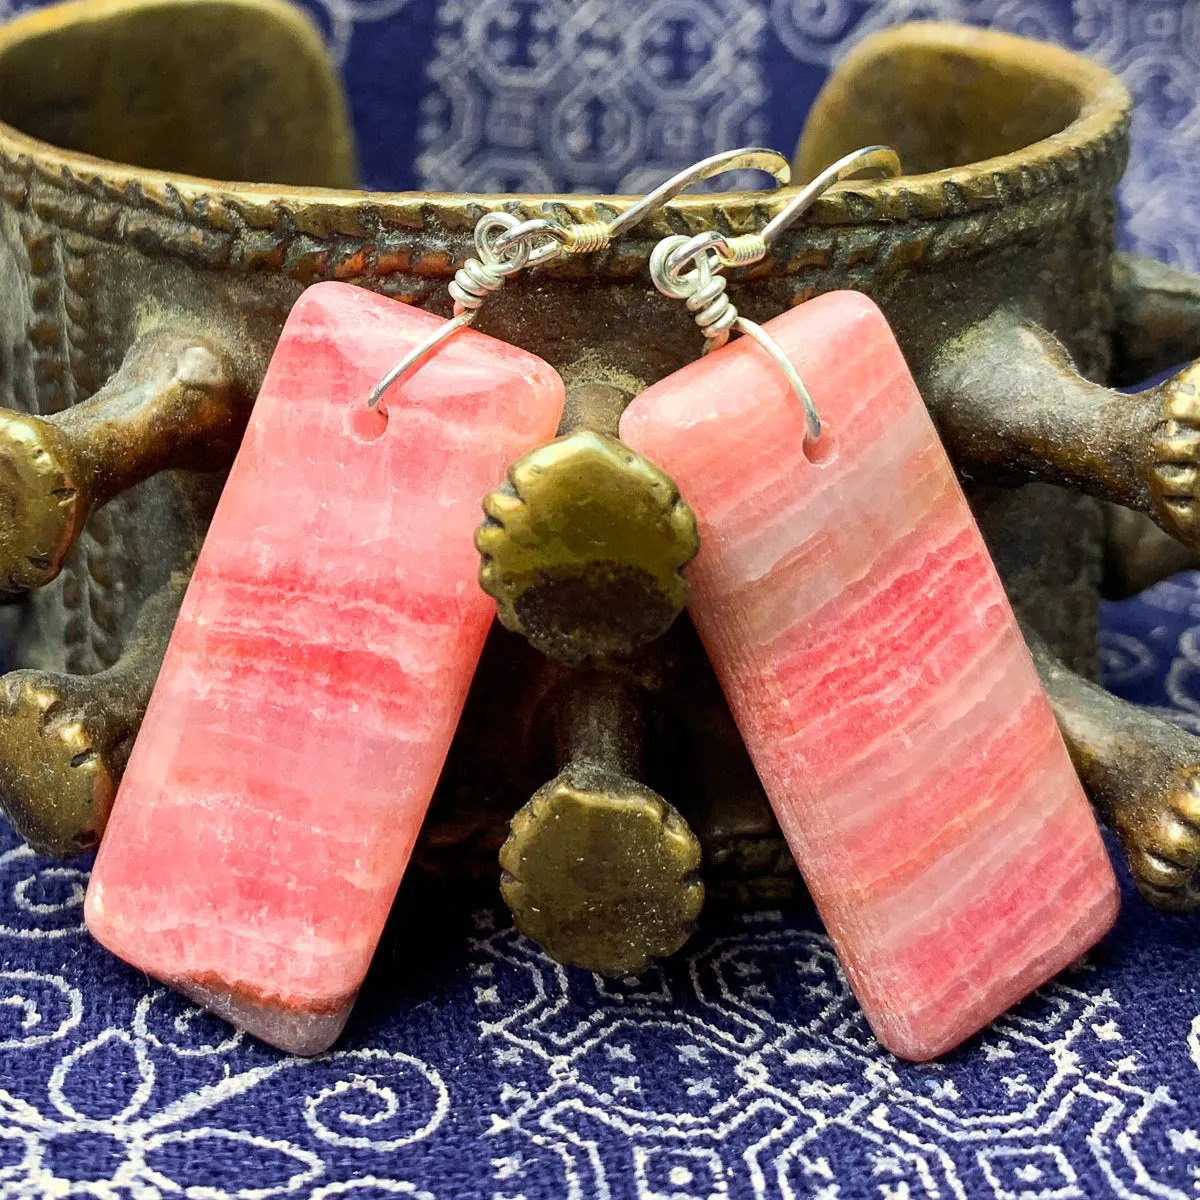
[(598, 869), (1143, 775), (41, 515), (584, 543), (65, 739), (173, 403), (1157, 327), (1009, 402), (1173, 476)]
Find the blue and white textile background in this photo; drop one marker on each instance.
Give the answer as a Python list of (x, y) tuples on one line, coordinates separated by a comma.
[(475, 1068)]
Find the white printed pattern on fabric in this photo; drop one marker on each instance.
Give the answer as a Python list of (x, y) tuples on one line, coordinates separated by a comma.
[(690, 1084), (103, 1115), (764, 1107), (551, 95)]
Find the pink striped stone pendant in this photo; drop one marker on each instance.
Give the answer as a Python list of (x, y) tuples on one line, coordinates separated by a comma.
[(317, 670), (878, 676)]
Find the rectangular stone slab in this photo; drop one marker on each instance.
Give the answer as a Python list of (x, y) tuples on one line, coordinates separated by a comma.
[(878, 676), (317, 670)]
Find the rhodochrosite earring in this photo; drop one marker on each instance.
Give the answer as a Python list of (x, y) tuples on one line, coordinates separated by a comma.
[(317, 669), (869, 654), (324, 650)]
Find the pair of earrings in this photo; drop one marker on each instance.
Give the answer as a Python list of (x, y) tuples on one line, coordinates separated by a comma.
[(324, 650)]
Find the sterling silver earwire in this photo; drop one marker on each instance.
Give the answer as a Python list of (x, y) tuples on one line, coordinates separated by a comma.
[(473, 282), (505, 245), (687, 268), (597, 235)]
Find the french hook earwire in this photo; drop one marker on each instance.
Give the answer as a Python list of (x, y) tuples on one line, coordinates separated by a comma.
[(473, 282), (688, 269), (587, 237), (504, 245)]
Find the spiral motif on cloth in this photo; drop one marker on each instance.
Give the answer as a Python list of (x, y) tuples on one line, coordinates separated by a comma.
[(381, 1110)]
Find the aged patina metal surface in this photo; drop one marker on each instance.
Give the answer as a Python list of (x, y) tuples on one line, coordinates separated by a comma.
[(69, 736), (584, 546), (173, 403), (993, 258), (598, 868), (1122, 755)]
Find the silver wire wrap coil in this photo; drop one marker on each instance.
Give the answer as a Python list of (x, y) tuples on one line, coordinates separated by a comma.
[(688, 268), (699, 286), (479, 277), (472, 284), (588, 238), (742, 251), (695, 280)]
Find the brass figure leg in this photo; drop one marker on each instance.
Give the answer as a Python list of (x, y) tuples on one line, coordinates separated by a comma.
[(65, 739), (1143, 775), (173, 403), (1157, 318), (1008, 401), (582, 550), (598, 869)]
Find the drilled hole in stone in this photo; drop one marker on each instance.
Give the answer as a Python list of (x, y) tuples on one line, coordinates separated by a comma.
[(367, 424), (824, 450)]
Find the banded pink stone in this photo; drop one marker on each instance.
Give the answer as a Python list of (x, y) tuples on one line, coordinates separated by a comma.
[(878, 676), (317, 670)]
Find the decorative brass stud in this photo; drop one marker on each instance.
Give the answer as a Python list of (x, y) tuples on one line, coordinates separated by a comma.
[(40, 509), (583, 547), (602, 872)]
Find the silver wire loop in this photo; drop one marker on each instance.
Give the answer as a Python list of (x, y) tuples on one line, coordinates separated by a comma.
[(870, 158), (713, 311), (525, 233), (473, 282), (748, 248), (748, 158), (589, 236), (417, 355), (505, 245), (688, 268), (689, 252), (700, 286), (812, 418), (479, 277)]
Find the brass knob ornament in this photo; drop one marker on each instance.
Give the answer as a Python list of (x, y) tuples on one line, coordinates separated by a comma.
[(583, 548), (599, 869)]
